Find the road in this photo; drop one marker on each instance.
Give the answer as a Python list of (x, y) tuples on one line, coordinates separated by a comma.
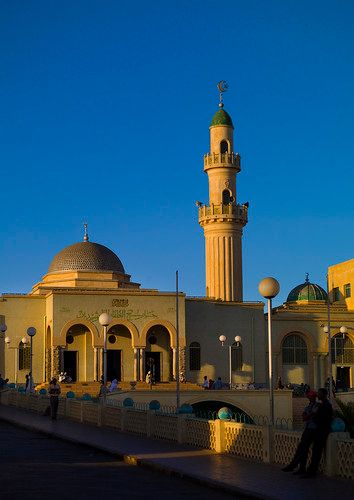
[(35, 466)]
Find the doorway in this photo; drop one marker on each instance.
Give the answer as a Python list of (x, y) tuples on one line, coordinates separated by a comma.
[(343, 378), (153, 363), (114, 364), (70, 364)]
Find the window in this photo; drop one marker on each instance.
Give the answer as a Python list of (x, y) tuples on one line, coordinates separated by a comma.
[(24, 356), (194, 356), (224, 147), (347, 290), (294, 350), (226, 197), (336, 294), (342, 350), (236, 357)]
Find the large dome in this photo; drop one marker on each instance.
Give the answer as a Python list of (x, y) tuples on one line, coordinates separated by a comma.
[(86, 256), (307, 291)]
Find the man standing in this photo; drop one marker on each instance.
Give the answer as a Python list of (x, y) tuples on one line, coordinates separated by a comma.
[(322, 419), (54, 391), (307, 438)]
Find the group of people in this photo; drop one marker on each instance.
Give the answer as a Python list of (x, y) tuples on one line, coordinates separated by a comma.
[(210, 384), (111, 388), (64, 378), (317, 417)]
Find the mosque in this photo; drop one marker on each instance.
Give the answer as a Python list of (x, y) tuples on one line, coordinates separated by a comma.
[(87, 278)]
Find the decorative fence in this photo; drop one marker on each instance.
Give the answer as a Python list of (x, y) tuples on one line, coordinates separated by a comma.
[(254, 442)]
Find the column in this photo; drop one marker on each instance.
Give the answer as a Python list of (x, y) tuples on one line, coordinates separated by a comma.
[(95, 374), (142, 363), (174, 363), (136, 363), (100, 362)]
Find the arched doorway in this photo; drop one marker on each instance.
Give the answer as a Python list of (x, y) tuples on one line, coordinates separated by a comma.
[(158, 354), (120, 354), (78, 353)]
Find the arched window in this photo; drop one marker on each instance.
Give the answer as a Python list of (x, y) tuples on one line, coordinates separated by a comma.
[(342, 350), (224, 147), (194, 356), (24, 353), (236, 357), (226, 197), (294, 350)]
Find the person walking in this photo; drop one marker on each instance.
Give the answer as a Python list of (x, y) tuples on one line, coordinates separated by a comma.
[(307, 437), (323, 420), (54, 391)]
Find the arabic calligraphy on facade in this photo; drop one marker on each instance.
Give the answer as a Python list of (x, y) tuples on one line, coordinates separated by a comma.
[(128, 314)]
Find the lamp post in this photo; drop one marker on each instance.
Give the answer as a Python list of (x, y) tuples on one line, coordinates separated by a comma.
[(31, 332), (327, 330), (223, 339), (104, 320), (269, 288), (16, 350)]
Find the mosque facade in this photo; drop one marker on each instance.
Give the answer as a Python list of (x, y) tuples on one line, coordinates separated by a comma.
[(87, 279)]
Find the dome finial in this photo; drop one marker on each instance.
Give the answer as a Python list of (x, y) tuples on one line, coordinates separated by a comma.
[(222, 86), (307, 279), (86, 236)]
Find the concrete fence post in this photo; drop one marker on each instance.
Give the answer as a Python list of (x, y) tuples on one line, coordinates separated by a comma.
[(331, 457), (220, 435)]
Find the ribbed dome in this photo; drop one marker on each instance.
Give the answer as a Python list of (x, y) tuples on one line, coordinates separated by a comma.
[(221, 117), (86, 256), (307, 291)]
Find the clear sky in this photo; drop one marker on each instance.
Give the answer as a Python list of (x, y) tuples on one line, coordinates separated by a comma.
[(104, 116)]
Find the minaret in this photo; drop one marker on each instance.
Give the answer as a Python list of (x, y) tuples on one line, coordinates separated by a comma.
[(223, 219)]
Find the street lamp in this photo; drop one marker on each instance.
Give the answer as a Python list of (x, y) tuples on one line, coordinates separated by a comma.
[(327, 330), (223, 339), (31, 332), (104, 320), (269, 288), (3, 328), (16, 350)]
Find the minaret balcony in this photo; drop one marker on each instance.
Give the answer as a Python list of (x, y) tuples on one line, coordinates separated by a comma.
[(219, 213), (212, 160)]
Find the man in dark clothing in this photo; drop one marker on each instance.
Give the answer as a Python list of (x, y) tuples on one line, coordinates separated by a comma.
[(307, 437), (323, 420)]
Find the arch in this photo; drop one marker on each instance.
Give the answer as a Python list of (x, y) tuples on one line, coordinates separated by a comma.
[(227, 197), (96, 340), (169, 327), (342, 349), (225, 401), (294, 350), (132, 329), (305, 335), (224, 146)]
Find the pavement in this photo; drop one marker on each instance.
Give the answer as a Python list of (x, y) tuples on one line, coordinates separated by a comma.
[(222, 472)]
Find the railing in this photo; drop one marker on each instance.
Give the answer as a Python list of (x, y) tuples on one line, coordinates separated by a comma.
[(238, 212), (255, 441), (222, 159)]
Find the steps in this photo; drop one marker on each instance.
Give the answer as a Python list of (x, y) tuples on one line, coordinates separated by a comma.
[(93, 388)]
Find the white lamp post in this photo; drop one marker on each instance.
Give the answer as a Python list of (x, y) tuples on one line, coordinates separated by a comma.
[(16, 350), (327, 330), (223, 339), (31, 332), (269, 288), (104, 320)]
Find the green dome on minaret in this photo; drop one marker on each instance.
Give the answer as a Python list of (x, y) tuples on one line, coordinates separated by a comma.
[(221, 117)]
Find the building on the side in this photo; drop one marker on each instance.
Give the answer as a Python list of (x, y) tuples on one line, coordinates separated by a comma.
[(86, 279)]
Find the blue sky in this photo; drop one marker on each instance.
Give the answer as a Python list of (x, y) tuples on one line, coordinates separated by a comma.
[(104, 116)]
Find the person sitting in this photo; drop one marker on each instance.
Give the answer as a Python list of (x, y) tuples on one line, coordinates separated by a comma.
[(61, 377), (205, 383), (114, 385), (218, 384)]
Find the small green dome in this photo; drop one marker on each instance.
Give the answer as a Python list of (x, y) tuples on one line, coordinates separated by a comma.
[(307, 291), (221, 117)]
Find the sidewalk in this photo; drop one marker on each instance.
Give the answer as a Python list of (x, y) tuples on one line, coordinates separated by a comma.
[(232, 474)]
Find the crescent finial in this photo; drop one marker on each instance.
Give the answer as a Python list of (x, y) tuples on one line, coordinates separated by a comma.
[(222, 87)]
